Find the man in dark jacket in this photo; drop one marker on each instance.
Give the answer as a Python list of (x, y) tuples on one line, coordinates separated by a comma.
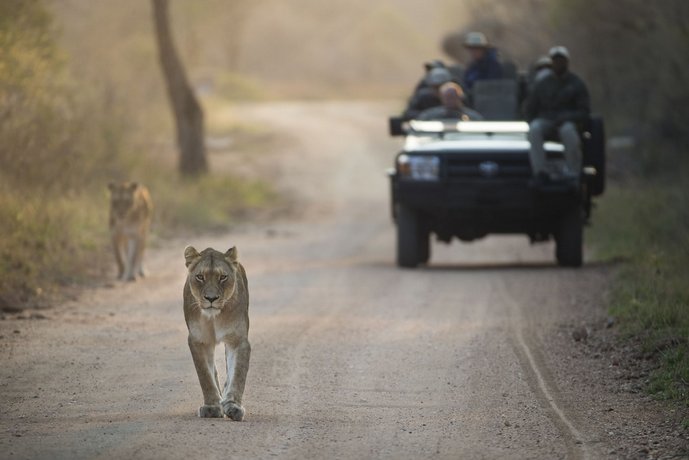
[(426, 94), (484, 63), (558, 104)]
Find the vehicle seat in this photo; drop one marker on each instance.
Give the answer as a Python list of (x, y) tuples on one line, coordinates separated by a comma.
[(509, 69), (496, 99)]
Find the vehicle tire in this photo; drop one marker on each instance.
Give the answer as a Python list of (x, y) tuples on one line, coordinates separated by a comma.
[(424, 243), (594, 153), (569, 240), (408, 237)]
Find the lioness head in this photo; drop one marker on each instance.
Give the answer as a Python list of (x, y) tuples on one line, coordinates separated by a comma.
[(122, 197), (212, 278)]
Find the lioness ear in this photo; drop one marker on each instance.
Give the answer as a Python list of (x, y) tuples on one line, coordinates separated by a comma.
[(133, 186), (231, 254), (190, 255), (111, 186)]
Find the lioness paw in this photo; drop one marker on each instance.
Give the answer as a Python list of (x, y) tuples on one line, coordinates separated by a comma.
[(233, 410), (210, 412)]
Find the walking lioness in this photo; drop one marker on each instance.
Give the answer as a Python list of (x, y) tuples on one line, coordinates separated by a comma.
[(216, 309), (130, 219)]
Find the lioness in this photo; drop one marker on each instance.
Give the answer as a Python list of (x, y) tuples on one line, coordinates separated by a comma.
[(130, 219), (216, 309)]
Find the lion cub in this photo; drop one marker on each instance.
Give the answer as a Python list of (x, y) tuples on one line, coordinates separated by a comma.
[(216, 309), (130, 219)]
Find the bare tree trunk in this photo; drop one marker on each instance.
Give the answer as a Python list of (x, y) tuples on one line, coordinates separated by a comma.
[(187, 110)]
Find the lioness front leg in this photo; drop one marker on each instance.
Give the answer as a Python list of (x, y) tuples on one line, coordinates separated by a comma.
[(139, 257), (237, 359), (117, 244), (130, 265), (202, 354)]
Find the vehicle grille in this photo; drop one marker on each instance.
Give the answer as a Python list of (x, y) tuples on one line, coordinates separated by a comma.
[(496, 165)]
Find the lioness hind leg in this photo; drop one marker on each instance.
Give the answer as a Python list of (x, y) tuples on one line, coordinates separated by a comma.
[(210, 412)]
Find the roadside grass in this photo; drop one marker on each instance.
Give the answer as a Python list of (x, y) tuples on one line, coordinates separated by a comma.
[(65, 134), (58, 237), (236, 87), (59, 148), (645, 223), (47, 242), (215, 202)]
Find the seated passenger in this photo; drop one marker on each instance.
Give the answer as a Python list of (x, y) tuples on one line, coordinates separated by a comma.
[(452, 108), (484, 63), (541, 68), (558, 104), (427, 95), (428, 66)]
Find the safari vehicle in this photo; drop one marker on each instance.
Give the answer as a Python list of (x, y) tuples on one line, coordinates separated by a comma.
[(468, 179)]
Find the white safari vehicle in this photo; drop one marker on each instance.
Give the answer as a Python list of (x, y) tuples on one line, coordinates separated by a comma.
[(468, 179)]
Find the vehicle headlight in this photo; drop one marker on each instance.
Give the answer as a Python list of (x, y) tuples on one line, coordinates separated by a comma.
[(418, 167)]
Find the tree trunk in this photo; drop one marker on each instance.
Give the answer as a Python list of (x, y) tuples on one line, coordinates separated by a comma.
[(187, 110)]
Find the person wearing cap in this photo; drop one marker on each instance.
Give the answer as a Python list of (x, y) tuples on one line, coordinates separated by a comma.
[(452, 108), (484, 63), (427, 95), (428, 67), (558, 104), (541, 68)]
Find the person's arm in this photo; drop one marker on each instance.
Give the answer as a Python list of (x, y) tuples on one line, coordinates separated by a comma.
[(473, 115), (583, 103), (581, 107), (419, 101)]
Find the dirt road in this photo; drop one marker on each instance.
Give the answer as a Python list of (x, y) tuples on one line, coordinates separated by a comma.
[(471, 357)]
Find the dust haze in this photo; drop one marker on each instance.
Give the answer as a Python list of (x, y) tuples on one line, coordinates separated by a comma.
[(303, 48)]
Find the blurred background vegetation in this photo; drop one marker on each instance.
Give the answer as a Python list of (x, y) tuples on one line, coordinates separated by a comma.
[(633, 56), (82, 102)]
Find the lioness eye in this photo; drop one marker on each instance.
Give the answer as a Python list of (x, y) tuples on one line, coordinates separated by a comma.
[(223, 278), (199, 277)]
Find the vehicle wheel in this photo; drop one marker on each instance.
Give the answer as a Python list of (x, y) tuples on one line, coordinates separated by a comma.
[(569, 240), (408, 237), (424, 243), (594, 154)]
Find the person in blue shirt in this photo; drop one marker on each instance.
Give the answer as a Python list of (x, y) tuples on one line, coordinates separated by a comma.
[(484, 63)]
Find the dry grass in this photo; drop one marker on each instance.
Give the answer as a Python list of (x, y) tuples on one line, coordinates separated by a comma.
[(63, 137)]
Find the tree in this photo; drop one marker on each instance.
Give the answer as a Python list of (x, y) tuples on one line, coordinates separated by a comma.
[(186, 108)]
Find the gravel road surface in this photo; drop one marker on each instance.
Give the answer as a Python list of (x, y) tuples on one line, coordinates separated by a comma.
[(470, 357)]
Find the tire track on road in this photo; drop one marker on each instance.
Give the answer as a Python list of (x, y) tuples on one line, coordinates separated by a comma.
[(539, 379)]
